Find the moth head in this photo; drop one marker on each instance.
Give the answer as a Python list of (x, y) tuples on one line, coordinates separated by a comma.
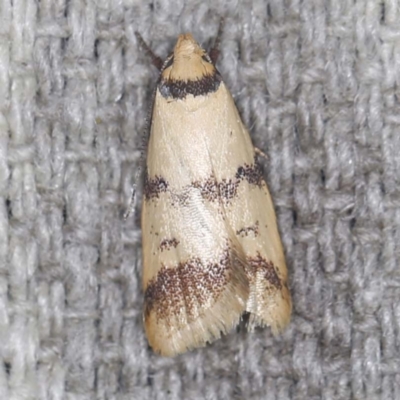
[(189, 61)]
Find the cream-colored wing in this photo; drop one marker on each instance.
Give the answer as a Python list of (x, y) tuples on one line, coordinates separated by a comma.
[(269, 302), (194, 275), (250, 213)]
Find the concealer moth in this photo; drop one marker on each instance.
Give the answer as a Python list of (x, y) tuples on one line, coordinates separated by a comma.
[(211, 246)]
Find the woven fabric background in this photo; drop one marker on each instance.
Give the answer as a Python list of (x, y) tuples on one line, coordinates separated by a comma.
[(316, 82)]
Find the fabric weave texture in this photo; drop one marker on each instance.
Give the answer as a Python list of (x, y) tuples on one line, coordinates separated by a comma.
[(316, 83)]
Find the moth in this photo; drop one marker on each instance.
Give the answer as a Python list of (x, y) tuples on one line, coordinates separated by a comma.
[(211, 246)]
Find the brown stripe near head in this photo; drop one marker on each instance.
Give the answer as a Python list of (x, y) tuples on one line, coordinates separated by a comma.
[(188, 71), (258, 265), (154, 186), (189, 286), (179, 89)]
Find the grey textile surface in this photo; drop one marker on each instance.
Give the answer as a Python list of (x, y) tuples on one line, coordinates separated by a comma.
[(316, 82)]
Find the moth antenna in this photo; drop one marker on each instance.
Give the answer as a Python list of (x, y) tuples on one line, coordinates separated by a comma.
[(130, 210), (133, 199), (214, 52), (156, 61)]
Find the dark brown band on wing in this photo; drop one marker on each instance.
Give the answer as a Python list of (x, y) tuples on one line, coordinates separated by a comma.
[(179, 89), (154, 186), (189, 286), (210, 189), (259, 264), (251, 173)]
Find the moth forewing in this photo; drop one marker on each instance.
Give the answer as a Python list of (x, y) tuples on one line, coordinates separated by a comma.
[(211, 247)]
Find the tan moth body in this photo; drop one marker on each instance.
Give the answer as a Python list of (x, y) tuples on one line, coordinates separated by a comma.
[(211, 247)]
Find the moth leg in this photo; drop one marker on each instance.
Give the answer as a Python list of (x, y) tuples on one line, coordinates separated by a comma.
[(132, 204), (260, 153)]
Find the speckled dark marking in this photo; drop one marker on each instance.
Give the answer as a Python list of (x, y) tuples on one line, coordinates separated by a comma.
[(179, 89), (167, 244), (251, 173), (246, 230), (154, 186), (181, 199), (228, 188), (259, 263), (212, 190), (188, 286), (208, 188)]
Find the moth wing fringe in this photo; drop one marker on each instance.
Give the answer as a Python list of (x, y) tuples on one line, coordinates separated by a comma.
[(173, 337), (274, 314)]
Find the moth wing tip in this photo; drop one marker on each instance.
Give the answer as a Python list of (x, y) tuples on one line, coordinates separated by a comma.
[(276, 318), (172, 337)]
